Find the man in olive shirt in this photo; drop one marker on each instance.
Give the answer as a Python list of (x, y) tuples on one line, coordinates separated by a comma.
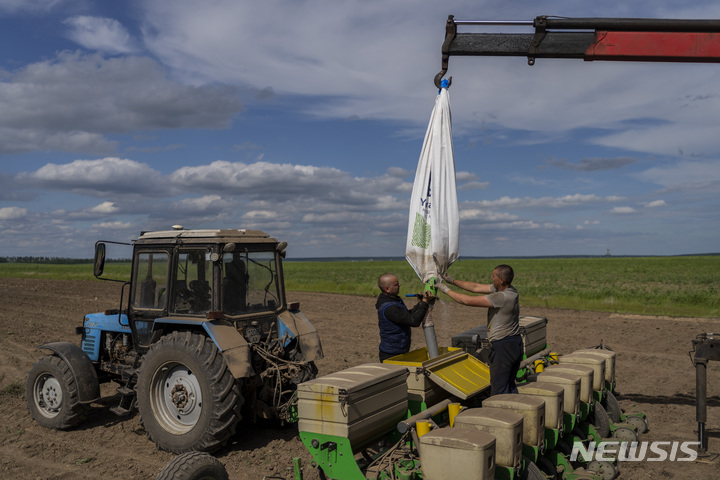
[(503, 326)]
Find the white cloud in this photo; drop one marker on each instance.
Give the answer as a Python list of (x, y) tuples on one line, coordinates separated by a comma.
[(685, 175), (70, 103), (105, 207), (338, 52), (473, 186), (655, 204), (465, 176), (400, 172), (485, 215), (587, 223), (622, 210), (305, 53), (260, 215), (679, 137), (284, 199), (532, 181), (334, 218), (202, 204), (29, 6), (98, 33), (519, 225), (12, 213), (96, 176), (593, 164), (304, 186), (28, 139), (113, 225), (547, 202), (260, 175)]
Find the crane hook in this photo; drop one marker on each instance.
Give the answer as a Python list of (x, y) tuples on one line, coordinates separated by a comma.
[(450, 33)]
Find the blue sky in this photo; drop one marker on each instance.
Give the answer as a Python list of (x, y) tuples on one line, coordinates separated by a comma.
[(305, 119)]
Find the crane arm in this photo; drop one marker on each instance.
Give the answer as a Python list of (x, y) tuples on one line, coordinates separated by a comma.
[(610, 39)]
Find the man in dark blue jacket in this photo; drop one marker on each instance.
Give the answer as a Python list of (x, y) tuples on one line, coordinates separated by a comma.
[(394, 318)]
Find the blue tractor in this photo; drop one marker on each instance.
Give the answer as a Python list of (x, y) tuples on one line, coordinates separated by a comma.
[(203, 336)]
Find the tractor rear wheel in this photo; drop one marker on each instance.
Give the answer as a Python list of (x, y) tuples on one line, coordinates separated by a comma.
[(187, 397), (194, 466), (52, 394)]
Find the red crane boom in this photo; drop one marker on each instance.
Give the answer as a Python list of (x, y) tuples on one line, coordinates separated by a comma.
[(610, 39)]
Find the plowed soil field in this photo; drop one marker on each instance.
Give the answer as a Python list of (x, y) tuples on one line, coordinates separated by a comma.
[(654, 369)]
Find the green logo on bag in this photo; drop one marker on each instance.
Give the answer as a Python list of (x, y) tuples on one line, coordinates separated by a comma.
[(421, 232)]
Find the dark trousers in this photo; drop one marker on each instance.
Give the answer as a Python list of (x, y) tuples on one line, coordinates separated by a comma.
[(505, 357), (384, 356)]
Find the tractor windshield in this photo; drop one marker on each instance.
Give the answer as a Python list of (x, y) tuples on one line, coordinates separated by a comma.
[(193, 282), (250, 283), (151, 275)]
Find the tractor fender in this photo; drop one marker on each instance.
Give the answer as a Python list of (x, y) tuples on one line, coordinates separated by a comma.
[(300, 327), (233, 346), (81, 368)]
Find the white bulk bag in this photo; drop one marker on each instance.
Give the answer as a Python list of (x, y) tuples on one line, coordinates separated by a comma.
[(434, 223)]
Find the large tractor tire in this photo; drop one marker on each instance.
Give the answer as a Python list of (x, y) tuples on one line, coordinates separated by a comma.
[(52, 394), (187, 397), (194, 466)]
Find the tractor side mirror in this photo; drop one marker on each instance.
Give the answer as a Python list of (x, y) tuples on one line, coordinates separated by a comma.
[(99, 261)]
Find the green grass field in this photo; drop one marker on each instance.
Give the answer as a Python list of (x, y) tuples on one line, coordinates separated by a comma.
[(676, 286)]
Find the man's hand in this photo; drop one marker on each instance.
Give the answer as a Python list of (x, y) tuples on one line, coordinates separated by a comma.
[(443, 288), (448, 278)]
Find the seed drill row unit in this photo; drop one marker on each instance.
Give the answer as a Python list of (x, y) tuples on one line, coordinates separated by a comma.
[(415, 417)]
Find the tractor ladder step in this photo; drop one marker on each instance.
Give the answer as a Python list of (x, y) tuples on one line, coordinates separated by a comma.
[(127, 402)]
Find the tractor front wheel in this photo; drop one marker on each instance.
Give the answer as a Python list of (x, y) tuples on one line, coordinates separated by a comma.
[(52, 394), (187, 397)]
